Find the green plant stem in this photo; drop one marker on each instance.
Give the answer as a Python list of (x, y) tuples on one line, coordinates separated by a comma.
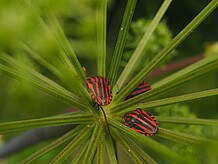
[(174, 66), (101, 36), (189, 121), (44, 122), (117, 55), (171, 100), (97, 135), (77, 158), (205, 65), (166, 51), (26, 73), (181, 137), (101, 151), (140, 151), (136, 56), (146, 141), (66, 52), (83, 135), (127, 148), (181, 77), (52, 145), (111, 150), (41, 60), (56, 71)]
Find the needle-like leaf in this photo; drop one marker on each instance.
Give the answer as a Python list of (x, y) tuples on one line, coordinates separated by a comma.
[(101, 151), (189, 121), (7, 127), (52, 145), (121, 40), (140, 151), (171, 100), (179, 78), (83, 135), (166, 51), (111, 150), (101, 36), (181, 137), (146, 141), (129, 68), (127, 148), (77, 158), (97, 135)]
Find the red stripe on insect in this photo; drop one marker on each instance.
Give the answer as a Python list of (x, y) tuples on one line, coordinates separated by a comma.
[(141, 122), (140, 131), (145, 130), (141, 88), (140, 91), (99, 87)]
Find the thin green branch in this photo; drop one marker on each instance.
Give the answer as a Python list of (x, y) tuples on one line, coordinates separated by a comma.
[(136, 56), (68, 57), (77, 158), (45, 63), (127, 148), (27, 70), (97, 135), (146, 141), (52, 145), (181, 137), (62, 73), (101, 151), (66, 52), (166, 51), (26, 73), (44, 122), (70, 60), (140, 151), (207, 62), (101, 19), (121, 40), (171, 100), (189, 121), (111, 150), (194, 71), (175, 65), (80, 138)]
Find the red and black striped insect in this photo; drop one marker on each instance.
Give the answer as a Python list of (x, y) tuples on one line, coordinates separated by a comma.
[(141, 122), (141, 88), (99, 89)]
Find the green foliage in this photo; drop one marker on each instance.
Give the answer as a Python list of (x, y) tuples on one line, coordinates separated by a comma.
[(39, 48), (160, 38), (180, 111)]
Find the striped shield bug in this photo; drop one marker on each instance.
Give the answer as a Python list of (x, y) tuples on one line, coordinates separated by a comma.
[(141, 122), (141, 88), (99, 89)]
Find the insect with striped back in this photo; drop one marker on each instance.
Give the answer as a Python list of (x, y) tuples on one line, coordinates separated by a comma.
[(99, 89), (141, 88), (138, 119), (141, 122)]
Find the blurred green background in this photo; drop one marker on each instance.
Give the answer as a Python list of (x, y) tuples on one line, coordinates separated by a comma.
[(19, 100)]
